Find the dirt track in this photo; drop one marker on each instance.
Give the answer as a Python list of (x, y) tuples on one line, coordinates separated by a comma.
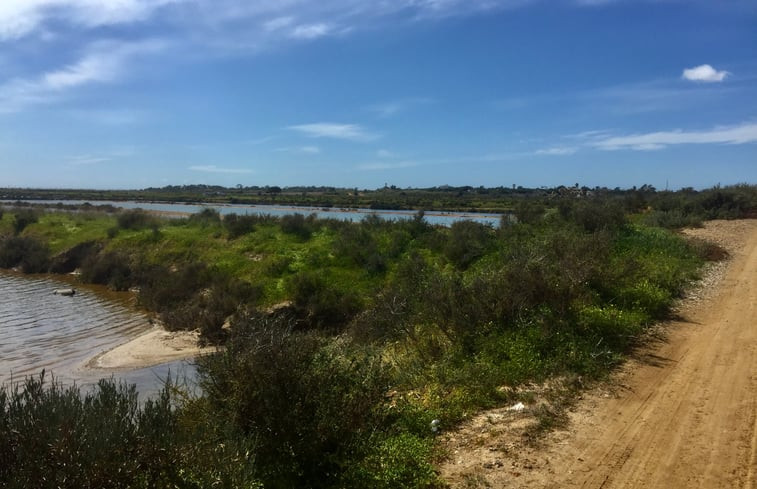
[(684, 413)]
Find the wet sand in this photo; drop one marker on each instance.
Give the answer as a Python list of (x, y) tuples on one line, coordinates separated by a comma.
[(153, 347)]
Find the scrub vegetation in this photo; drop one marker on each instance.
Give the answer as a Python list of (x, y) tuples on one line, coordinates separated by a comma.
[(343, 341)]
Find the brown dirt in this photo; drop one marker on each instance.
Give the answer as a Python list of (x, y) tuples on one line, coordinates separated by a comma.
[(681, 413)]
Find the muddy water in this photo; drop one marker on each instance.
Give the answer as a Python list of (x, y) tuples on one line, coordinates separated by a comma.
[(42, 330)]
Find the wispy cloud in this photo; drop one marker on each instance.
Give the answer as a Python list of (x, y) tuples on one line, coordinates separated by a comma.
[(740, 134), (230, 25), (86, 160), (704, 73), (311, 31), (258, 141), (556, 151), (112, 117), (394, 107), (278, 23), (382, 165), (104, 63), (21, 17), (660, 95), (217, 169), (350, 132)]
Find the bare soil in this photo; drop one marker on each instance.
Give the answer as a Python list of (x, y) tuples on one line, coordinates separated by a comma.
[(681, 413)]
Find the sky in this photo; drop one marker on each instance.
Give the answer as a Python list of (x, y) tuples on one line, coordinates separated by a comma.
[(119, 94)]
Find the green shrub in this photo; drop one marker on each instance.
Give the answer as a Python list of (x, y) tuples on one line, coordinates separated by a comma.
[(402, 460), (672, 219), (598, 215), (206, 217), (312, 405), (135, 219), (110, 268), (298, 225), (467, 242), (529, 212), (237, 225), (358, 243), (73, 258), (319, 304), (29, 254), (194, 296), (646, 296), (23, 218), (53, 436)]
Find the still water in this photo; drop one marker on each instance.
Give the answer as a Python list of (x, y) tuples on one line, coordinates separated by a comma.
[(42, 330), (432, 217)]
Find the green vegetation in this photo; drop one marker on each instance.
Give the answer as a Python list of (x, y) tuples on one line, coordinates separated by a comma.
[(344, 340)]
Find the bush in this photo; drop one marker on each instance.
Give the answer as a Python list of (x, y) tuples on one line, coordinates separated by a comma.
[(206, 217), (529, 212), (672, 219), (53, 436), (237, 225), (357, 243), (298, 225), (311, 405), (598, 215), (108, 268), (28, 253), (467, 242), (398, 461), (24, 217), (135, 219), (194, 297), (319, 304), (71, 259)]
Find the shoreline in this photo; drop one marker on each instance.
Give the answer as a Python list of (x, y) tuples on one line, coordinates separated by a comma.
[(153, 347)]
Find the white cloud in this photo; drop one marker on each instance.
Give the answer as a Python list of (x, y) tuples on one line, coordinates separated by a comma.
[(229, 25), (394, 107), (386, 166), (216, 169), (310, 150), (350, 132), (86, 160), (741, 134), (106, 62), (21, 17), (556, 151), (310, 31), (278, 23), (704, 73), (383, 153)]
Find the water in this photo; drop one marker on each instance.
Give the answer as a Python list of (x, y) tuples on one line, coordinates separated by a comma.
[(42, 330), (432, 217)]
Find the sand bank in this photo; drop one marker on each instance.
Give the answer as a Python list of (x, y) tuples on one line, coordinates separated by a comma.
[(151, 348)]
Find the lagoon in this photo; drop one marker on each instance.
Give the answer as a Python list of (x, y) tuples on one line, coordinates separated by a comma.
[(442, 218), (60, 334)]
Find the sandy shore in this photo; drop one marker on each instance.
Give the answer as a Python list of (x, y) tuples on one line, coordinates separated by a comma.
[(151, 348)]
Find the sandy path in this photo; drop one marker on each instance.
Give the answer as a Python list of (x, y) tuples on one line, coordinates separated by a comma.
[(685, 414)]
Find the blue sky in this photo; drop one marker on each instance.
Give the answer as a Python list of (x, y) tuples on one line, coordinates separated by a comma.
[(140, 93)]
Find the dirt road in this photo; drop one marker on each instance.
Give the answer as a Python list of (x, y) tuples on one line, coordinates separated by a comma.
[(684, 416)]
